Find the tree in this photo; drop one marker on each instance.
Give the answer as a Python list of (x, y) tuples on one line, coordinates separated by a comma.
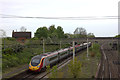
[(66, 35), (60, 32), (41, 32), (80, 32), (52, 31), (2, 33), (23, 29), (91, 35), (117, 36)]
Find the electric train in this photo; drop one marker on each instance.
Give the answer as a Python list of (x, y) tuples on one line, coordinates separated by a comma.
[(40, 62)]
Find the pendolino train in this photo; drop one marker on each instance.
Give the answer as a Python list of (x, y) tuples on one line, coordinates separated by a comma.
[(40, 62)]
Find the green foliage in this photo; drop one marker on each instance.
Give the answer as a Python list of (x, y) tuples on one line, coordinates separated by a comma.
[(74, 68), (95, 50), (34, 38), (66, 35), (12, 49), (52, 29), (7, 51), (54, 72), (48, 68), (15, 60), (117, 36), (79, 36), (10, 38), (41, 32), (51, 32), (91, 35), (60, 32)]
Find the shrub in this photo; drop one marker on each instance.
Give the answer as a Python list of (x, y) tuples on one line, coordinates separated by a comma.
[(95, 50), (74, 68)]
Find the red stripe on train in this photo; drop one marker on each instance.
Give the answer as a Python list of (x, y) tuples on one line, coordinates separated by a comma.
[(41, 65)]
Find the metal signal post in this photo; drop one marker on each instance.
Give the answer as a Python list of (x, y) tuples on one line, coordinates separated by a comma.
[(43, 46), (87, 47), (73, 51)]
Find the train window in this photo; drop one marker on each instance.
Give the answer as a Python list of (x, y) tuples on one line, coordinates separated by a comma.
[(63, 53), (52, 58), (35, 62)]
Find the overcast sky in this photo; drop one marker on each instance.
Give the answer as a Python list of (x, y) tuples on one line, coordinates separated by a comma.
[(60, 8)]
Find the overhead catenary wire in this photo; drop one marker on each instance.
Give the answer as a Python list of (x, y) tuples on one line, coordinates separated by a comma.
[(63, 18)]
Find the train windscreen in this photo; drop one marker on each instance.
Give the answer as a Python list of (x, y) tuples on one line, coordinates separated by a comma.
[(35, 62)]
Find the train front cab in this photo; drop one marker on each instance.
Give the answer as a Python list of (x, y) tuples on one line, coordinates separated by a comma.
[(36, 64)]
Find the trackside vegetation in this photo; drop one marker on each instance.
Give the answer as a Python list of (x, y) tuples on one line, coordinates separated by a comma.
[(12, 58), (73, 68), (83, 66), (95, 50)]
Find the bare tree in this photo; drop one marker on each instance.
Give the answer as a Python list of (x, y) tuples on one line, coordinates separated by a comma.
[(2, 33), (23, 29), (91, 35), (81, 31)]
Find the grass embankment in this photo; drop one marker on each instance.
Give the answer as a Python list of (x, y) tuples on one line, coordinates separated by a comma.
[(13, 60), (87, 66)]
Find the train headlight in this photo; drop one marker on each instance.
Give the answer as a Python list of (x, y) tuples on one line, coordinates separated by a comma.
[(38, 66), (29, 65)]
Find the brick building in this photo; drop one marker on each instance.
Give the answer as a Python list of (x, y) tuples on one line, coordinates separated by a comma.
[(21, 36)]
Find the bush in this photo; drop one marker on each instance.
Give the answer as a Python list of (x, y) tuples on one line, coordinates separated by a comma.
[(12, 60), (74, 68), (95, 50), (13, 49)]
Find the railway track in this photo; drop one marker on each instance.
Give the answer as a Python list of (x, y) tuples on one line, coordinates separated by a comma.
[(27, 75), (35, 76), (108, 68)]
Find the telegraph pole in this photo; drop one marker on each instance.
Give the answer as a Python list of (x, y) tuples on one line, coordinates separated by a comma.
[(87, 47), (60, 44), (73, 51), (43, 46)]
